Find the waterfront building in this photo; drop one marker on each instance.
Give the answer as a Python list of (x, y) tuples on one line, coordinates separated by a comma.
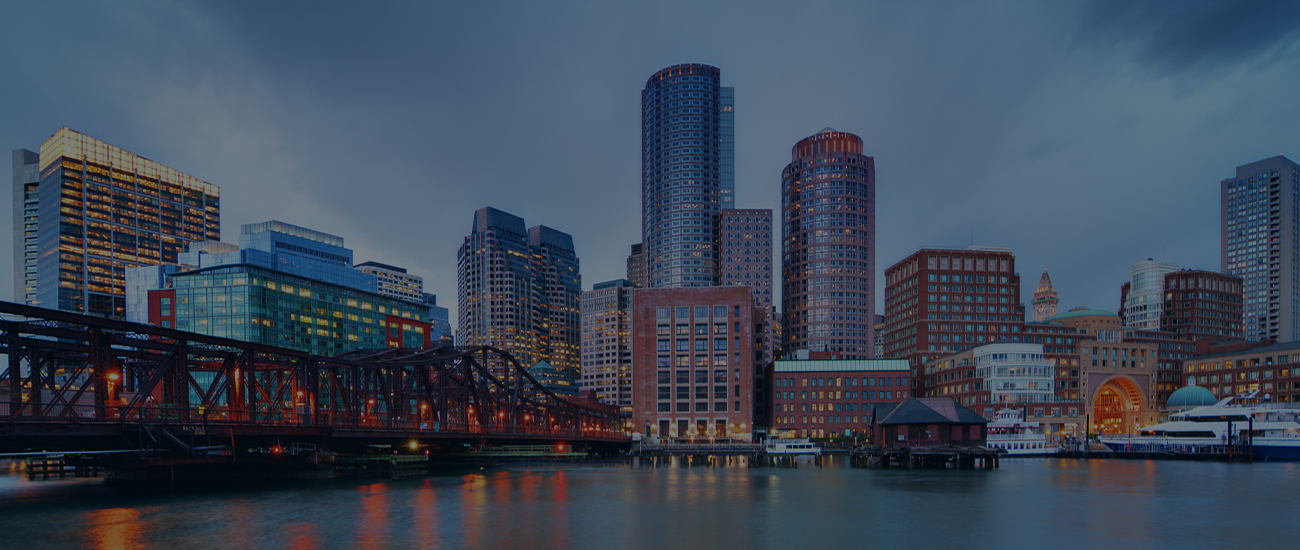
[(833, 397), (1202, 305), (86, 211), (1010, 374), (252, 303), (1142, 299), (1118, 386), (939, 301), (828, 243), (285, 286), (607, 343), (684, 136), (931, 422), (518, 290), (1259, 239), (693, 360), (636, 266), (1044, 303), (1273, 370), (746, 244)]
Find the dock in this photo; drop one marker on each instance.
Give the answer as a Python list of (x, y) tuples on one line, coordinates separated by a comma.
[(931, 458)]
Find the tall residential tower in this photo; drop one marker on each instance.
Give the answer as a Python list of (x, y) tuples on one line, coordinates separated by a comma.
[(518, 290), (1260, 242), (828, 246), (687, 177)]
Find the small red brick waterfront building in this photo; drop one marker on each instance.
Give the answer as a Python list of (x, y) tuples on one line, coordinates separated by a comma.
[(931, 422)]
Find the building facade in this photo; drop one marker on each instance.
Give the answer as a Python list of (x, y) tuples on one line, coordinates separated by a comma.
[(89, 211), (255, 304), (1260, 242), (394, 281), (828, 244), (1202, 304), (1272, 370), (607, 342), (820, 398), (746, 239), (939, 301), (693, 360), (1142, 299), (683, 168), (518, 289)]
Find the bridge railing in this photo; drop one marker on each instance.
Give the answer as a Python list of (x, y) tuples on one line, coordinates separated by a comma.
[(164, 414)]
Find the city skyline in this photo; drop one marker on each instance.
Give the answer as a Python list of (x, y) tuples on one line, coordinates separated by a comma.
[(1114, 108)]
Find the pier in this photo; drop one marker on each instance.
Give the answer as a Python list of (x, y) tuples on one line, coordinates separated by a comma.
[(934, 458)]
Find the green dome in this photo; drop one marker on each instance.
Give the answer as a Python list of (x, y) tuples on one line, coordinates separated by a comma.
[(1191, 396), (1081, 312)]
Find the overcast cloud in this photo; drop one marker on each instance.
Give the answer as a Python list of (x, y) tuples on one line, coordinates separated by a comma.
[(1086, 136)]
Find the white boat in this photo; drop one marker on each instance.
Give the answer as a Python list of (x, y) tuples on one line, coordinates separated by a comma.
[(1271, 429), (792, 447), (1011, 433)]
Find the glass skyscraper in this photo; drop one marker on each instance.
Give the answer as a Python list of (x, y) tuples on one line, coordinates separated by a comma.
[(89, 211), (1260, 242), (687, 161)]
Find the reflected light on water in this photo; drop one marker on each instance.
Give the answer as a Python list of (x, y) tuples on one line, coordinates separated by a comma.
[(372, 528), (115, 529), (425, 511)]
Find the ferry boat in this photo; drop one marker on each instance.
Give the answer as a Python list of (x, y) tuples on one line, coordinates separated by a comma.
[(1011, 433), (1271, 429), (792, 447)]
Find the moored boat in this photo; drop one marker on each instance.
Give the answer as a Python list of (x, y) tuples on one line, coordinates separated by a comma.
[(1011, 433)]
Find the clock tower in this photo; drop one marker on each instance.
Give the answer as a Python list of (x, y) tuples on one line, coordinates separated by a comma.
[(1044, 303)]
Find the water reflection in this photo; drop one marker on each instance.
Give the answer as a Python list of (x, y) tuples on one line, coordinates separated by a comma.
[(1058, 503), (372, 528), (115, 529)]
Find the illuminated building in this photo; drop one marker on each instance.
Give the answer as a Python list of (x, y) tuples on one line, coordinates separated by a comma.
[(828, 246), (687, 177), (1272, 370), (820, 398), (89, 211), (939, 301), (518, 290), (693, 355), (395, 282), (1044, 302), (1259, 239), (607, 342), (285, 286)]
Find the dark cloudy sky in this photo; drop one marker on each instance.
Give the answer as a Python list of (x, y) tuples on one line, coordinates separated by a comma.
[(1086, 136)]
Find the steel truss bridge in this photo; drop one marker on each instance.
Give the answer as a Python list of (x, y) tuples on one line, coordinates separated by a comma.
[(74, 382)]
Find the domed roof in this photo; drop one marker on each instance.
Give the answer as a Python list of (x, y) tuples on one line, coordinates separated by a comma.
[(1191, 396), (1082, 312)]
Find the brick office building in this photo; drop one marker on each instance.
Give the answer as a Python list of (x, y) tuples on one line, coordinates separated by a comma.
[(939, 301), (693, 357), (817, 398)]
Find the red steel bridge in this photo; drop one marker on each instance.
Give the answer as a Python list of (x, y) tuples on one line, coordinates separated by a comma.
[(79, 383)]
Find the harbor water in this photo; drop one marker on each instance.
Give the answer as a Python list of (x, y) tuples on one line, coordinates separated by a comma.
[(1027, 503)]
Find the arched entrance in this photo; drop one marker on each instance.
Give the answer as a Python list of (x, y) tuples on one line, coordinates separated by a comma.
[(1117, 407)]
